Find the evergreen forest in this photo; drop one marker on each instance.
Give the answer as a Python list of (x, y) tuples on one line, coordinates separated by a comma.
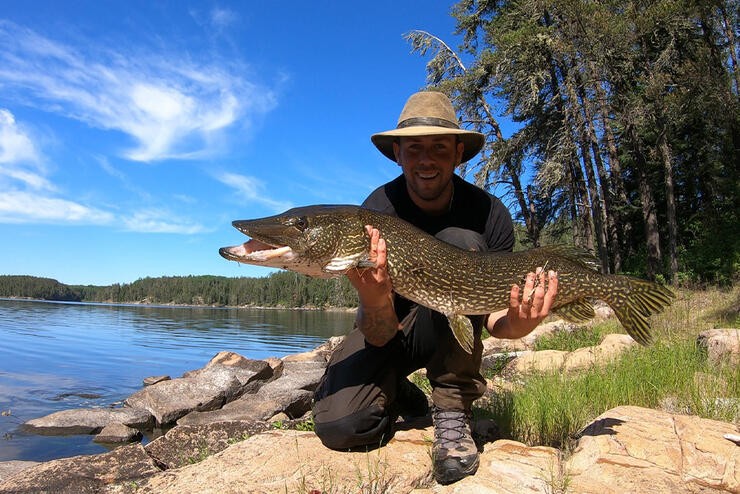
[(628, 118)]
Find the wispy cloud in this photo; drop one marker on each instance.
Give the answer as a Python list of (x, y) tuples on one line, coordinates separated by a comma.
[(251, 189), (36, 208), (171, 106), (26, 207), (159, 221), (19, 158), (222, 17)]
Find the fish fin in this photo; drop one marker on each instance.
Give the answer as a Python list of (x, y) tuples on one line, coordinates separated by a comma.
[(577, 254), (340, 264), (634, 305), (365, 264), (462, 328), (579, 310)]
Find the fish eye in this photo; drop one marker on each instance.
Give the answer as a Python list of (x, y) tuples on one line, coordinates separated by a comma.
[(301, 223)]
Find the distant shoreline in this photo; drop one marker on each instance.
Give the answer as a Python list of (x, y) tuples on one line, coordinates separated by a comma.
[(184, 306)]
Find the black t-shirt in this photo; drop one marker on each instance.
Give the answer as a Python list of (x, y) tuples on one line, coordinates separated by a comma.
[(474, 210)]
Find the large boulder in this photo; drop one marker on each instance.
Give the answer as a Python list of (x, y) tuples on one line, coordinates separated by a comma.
[(721, 345), (632, 449), (291, 394), (611, 347), (203, 389), (88, 420), (83, 474)]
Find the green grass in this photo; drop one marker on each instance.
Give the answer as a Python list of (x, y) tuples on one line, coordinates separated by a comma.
[(568, 341), (238, 439), (306, 425), (551, 408)]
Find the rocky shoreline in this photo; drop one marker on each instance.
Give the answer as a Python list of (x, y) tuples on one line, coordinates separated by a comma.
[(241, 425)]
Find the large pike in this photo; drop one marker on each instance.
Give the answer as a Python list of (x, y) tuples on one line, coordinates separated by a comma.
[(327, 241)]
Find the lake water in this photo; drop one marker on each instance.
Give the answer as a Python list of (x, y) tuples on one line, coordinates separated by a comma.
[(55, 356)]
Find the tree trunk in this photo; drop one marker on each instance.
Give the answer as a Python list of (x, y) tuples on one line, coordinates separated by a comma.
[(665, 151), (615, 178), (578, 130), (607, 221), (579, 204), (647, 200)]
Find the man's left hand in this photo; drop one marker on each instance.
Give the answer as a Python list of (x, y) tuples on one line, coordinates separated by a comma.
[(527, 309)]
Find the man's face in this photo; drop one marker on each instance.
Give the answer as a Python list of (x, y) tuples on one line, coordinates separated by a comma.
[(428, 163)]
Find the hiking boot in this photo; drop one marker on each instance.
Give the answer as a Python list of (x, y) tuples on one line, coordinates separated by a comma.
[(454, 453), (410, 400)]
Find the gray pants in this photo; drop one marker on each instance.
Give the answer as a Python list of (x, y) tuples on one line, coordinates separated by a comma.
[(354, 403)]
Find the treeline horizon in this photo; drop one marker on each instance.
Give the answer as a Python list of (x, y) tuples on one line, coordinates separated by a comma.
[(280, 289)]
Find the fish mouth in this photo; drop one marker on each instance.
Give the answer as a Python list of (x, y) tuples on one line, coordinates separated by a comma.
[(243, 253)]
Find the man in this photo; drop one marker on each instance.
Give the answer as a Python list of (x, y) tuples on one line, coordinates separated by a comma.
[(365, 389)]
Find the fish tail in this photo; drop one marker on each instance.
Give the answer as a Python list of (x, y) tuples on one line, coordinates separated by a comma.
[(633, 301)]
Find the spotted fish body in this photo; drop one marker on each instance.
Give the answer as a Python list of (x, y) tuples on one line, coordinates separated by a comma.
[(331, 239)]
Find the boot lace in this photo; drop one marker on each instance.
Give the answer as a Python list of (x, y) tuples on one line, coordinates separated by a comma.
[(450, 428)]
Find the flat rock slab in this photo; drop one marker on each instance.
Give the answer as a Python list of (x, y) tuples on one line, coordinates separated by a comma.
[(185, 444), (282, 461), (10, 468), (83, 474), (632, 449), (117, 433), (510, 467), (257, 406), (88, 421), (300, 375), (205, 389)]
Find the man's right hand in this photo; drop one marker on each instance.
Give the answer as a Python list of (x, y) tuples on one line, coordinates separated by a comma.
[(376, 318)]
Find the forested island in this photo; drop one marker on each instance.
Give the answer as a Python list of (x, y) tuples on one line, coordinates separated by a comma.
[(280, 289)]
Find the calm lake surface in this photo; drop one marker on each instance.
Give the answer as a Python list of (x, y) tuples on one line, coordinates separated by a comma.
[(55, 356)]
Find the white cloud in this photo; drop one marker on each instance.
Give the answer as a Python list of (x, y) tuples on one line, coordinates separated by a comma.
[(25, 207), (250, 188), (169, 105), (15, 145), (158, 221), (19, 158)]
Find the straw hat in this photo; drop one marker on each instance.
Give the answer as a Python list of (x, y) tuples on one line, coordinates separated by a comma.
[(428, 113)]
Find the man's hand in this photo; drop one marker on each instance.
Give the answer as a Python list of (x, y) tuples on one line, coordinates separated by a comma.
[(376, 318), (525, 312), (373, 285)]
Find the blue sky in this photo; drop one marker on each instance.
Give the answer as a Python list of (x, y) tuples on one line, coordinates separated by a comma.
[(132, 133)]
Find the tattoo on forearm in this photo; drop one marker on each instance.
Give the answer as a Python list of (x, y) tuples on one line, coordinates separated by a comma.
[(379, 325)]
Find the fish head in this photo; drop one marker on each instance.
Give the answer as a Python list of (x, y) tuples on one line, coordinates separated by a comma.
[(303, 240)]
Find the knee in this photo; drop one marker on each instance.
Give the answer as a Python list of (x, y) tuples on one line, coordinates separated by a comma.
[(369, 427)]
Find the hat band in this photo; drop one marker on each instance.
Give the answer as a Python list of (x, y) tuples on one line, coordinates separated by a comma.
[(433, 121)]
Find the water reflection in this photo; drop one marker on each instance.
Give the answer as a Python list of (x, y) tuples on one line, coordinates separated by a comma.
[(77, 351)]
